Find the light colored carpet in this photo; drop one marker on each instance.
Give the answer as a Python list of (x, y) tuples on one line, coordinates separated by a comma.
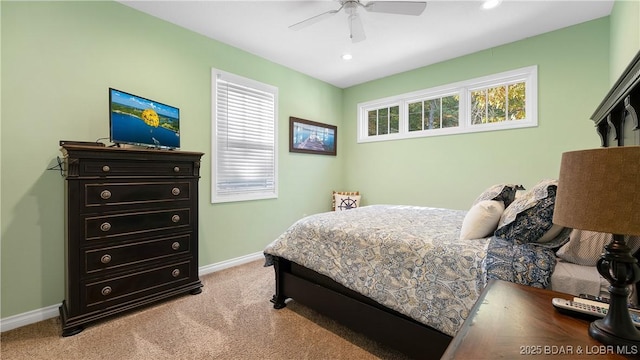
[(231, 319)]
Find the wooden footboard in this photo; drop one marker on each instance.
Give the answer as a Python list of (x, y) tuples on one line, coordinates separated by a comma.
[(356, 311)]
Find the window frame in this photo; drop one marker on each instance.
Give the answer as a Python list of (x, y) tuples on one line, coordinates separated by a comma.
[(247, 195), (388, 107), (528, 75)]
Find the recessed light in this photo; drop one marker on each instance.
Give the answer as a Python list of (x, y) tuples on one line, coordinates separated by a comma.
[(347, 57), (490, 4)]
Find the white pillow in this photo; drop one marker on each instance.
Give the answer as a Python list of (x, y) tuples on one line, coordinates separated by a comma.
[(481, 220), (585, 247), (346, 202)]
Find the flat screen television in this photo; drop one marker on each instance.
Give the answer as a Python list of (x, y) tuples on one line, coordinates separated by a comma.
[(138, 121)]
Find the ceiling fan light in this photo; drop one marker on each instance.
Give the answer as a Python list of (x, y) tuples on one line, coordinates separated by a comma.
[(490, 4)]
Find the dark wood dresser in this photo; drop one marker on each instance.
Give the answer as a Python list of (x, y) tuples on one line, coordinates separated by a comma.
[(131, 230)]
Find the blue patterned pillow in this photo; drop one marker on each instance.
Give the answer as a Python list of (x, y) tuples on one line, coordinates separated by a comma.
[(500, 192), (525, 264), (530, 216)]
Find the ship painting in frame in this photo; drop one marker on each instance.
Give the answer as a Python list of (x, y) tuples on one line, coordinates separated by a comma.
[(306, 136)]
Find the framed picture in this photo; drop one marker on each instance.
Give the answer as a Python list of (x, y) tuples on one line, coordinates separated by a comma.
[(312, 137)]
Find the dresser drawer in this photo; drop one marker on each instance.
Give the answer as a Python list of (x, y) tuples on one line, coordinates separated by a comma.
[(117, 290), (114, 257), (114, 167), (113, 194), (136, 223)]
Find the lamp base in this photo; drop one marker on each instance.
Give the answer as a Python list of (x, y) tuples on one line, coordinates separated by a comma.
[(621, 270), (603, 333)]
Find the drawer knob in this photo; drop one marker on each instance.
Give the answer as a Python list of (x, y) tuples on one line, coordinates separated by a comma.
[(105, 226), (175, 218), (106, 168), (105, 194), (175, 191), (176, 169), (175, 245), (106, 290), (105, 259), (175, 272)]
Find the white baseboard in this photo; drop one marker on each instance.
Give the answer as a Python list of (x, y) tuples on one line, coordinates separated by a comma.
[(30, 317), (208, 269)]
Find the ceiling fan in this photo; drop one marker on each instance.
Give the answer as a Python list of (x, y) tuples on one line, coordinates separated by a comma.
[(356, 30)]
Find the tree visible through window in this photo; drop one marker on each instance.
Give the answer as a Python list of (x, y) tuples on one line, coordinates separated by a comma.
[(434, 113), (497, 104), (384, 121), (501, 101)]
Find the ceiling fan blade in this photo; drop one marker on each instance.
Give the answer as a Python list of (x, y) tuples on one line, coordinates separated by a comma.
[(313, 20), (356, 30), (397, 7)]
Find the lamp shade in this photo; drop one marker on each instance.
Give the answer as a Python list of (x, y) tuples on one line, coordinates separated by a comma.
[(599, 190)]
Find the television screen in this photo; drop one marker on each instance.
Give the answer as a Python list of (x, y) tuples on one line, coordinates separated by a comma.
[(138, 121)]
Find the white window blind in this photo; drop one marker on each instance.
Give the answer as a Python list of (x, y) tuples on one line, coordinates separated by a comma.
[(244, 139)]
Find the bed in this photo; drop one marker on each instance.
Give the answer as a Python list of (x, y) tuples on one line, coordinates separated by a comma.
[(408, 276)]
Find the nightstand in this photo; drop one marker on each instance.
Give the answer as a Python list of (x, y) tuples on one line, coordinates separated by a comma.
[(511, 321)]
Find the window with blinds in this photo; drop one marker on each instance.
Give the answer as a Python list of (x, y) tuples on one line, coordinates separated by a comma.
[(244, 161)]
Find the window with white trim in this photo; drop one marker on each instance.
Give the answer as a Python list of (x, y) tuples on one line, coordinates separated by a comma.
[(383, 120), (501, 101), (244, 139), (435, 113)]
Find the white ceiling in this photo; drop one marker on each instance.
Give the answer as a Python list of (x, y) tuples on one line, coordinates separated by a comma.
[(395, 43)]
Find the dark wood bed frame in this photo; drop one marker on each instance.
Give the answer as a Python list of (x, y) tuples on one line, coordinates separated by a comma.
[(616, 122)]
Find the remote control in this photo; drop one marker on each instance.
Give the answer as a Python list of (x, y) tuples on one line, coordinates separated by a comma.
[(604, 300), (587, 310), (594, 298), (602, 304)]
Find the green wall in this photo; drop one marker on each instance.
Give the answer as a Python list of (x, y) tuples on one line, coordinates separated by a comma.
[(450, 171), (625, 36), (59, 59)]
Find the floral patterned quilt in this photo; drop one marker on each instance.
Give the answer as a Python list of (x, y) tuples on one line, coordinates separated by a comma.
[(406, 258)]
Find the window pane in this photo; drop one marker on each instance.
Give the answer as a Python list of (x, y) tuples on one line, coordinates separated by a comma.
[(373, 122), (244, 156), (517, 101), (245, 139), (432, 114), (450, 111), (478, 107), (415, 116), (383, 121), (394, 120), (506, 100), (497, 103)]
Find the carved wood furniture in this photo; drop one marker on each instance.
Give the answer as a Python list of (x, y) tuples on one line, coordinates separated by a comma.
[(616, 117), (617, 123), (131, 230)]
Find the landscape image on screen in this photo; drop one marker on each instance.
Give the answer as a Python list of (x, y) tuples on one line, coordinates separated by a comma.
[(139, 121)]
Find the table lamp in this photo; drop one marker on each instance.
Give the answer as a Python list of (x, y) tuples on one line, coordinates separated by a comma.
[(599, 190)]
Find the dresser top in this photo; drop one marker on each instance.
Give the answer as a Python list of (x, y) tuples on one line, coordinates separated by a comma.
[(114, 151)]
